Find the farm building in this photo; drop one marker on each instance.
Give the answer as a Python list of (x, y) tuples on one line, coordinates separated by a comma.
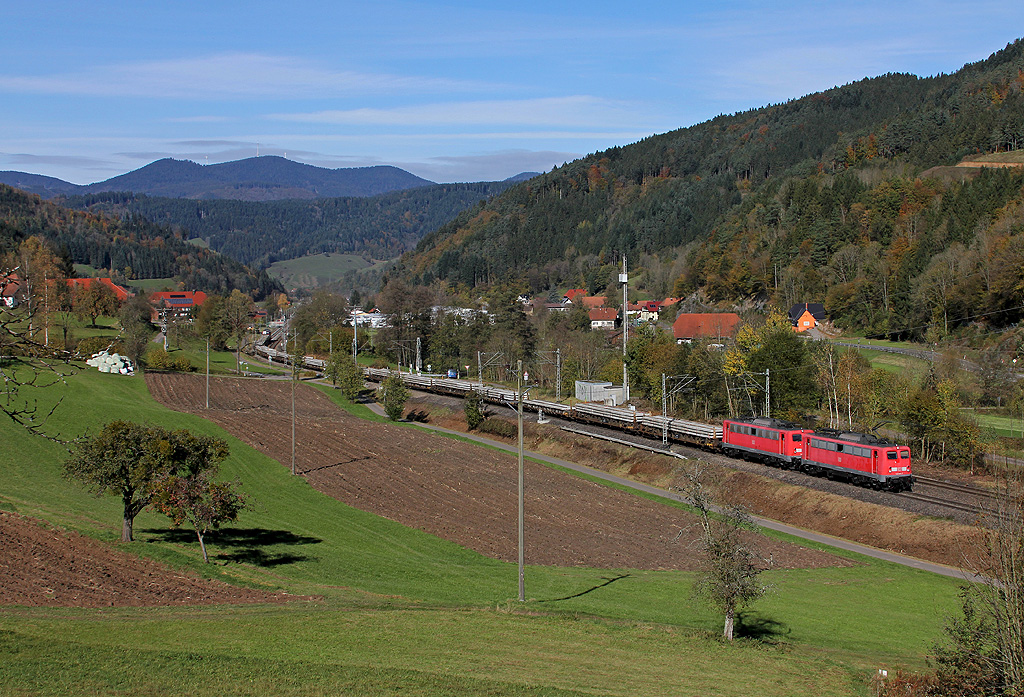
[(175, 304)]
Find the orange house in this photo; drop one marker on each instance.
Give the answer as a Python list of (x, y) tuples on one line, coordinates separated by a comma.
[(804, 316)]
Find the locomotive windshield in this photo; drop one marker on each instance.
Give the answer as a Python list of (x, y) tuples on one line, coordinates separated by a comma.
[(904, 454), (891, 455), (797, 437)]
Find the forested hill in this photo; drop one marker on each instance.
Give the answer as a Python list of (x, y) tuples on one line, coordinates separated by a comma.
[(267, 178), (130, 247), (260, 233), (758, 203)]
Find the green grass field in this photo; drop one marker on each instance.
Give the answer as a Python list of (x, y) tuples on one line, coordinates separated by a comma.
[(315, 270), (398, 611)]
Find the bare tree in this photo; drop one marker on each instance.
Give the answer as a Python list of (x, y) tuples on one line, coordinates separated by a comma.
[(26, 363), (728, 575), (984, 649)]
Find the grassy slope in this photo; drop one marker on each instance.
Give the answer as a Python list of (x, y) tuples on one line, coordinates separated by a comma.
[(404, 610), (315, 270)]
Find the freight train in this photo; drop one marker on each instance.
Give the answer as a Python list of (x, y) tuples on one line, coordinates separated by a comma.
[(857, 457)]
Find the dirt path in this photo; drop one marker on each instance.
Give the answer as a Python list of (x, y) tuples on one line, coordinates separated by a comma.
[(458, 491)]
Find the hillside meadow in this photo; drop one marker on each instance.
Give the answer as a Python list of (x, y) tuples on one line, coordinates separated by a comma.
[(384, 609)]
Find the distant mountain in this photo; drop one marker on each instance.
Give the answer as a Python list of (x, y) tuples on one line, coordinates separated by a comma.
[(267, 178), (522, 176), (129, 247), (259, 233), (44, 187)]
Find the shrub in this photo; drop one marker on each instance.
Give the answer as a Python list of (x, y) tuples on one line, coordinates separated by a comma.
[(499, 427), (158, 359), (474, 415), (94, 344)]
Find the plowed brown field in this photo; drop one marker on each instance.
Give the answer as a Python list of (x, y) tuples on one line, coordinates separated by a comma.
[(455, 490), (42, 566)]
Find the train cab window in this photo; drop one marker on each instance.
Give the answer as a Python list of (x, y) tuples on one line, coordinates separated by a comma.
[(891, 455), (797, 437), (904, 454)]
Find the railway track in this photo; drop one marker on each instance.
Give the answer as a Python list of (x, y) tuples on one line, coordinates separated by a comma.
[(967, 489), (970, 499), (642, 426)]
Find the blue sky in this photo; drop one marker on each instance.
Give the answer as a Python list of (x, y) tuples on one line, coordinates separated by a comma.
[(450, 91)]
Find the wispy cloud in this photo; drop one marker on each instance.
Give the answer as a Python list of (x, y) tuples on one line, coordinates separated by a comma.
[(568, 112), (232, 75)]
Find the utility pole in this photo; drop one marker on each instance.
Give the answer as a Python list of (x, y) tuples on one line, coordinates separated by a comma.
[(522, 577), (294, 375), (558, 375), (624, 280), (355, 338), (681, 383), (207, 372), (419, 359)]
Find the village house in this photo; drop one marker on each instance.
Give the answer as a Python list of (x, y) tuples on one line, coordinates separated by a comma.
[(603, 318), (649, 310), (707, 325), (572, 295), (175, 304), (804, 316), (120, 292), (9, 287)]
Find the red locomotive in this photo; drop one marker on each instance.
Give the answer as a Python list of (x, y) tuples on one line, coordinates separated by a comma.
[(770, 440), (858, 457)]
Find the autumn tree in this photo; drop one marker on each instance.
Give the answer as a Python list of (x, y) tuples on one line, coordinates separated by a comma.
[(236, 318), (127, 459), (94, 299), (199, 501), (136, 330)]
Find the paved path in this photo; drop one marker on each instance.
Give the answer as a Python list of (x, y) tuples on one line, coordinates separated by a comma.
[(763, 522)]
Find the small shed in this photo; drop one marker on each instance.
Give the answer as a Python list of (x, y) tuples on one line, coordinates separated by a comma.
[(603, 392)]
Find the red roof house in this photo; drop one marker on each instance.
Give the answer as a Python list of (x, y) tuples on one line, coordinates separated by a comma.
[(175, 303), (9, 287), (120, 291), (707, 325), (603, 317), (574, 293)]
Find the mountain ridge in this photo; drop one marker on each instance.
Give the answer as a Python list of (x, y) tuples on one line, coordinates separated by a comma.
[(264, 178)]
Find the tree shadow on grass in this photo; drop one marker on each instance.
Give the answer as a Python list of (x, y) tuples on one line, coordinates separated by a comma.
[(750, 625), (607, 582), (244, 545)]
